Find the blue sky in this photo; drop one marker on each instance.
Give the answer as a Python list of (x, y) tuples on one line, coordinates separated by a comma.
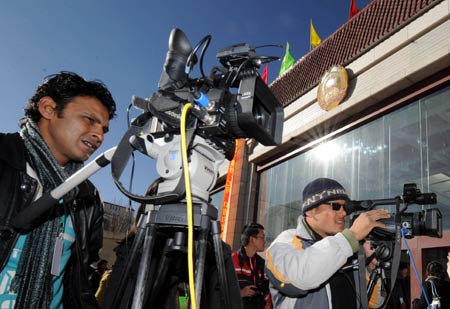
[(124, 43)]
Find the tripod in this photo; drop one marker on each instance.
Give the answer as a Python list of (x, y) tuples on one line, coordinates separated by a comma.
[(162, 230), (388, 255), (161, 270)]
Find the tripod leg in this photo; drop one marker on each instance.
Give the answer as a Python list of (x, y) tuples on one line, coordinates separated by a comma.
[(373, 280), (161, 272), (215, 229), (200, 263), (143, 280), (124, 277), (361, 279)]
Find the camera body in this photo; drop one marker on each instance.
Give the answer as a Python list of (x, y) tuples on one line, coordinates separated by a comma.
[(216, 118), (256, 300), (427, 222), (412, 195), (218, 115)]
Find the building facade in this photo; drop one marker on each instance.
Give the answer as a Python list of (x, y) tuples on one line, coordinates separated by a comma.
[(392, 129), (117, 221)]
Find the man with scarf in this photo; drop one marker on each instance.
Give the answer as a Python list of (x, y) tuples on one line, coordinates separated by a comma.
[(45, 265), (249, 268)]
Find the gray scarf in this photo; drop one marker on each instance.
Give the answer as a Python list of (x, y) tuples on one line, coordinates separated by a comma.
[(33, 280)]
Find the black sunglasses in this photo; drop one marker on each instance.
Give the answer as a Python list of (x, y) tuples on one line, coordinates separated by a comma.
[(336, 206)]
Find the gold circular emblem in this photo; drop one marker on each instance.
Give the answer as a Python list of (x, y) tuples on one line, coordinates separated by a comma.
[(332, 87)]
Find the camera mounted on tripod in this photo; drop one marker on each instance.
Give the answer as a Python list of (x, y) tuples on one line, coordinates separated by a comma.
[(207, 135), (253, 112), (218, 116)]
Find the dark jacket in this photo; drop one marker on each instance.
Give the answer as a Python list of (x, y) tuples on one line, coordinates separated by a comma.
[(252, 275), (443, 291), (17, 190)]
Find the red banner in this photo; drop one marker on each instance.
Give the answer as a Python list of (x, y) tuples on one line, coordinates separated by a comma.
[(227, 192)]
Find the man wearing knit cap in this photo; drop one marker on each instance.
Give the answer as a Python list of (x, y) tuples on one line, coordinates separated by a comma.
[(307, 266)]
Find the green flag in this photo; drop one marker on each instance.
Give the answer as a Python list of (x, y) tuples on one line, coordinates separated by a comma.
[(288, 61)]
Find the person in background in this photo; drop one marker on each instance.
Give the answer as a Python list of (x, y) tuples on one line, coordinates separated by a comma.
[(435, 287), (400, 295), (96, 276), (46, 263), (249, 268), (311, 266), (103, 285)]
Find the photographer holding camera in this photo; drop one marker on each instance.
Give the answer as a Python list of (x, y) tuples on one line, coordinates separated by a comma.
[(308, 266), (249, 268)]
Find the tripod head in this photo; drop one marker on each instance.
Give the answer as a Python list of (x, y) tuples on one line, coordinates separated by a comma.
[(203, 168)]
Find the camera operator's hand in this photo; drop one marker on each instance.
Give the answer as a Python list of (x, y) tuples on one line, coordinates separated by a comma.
[(366, 221), (249, 291)]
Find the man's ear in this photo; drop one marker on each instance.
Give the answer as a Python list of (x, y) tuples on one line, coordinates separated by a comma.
[(47, 107), (311, 213), (308, 213)]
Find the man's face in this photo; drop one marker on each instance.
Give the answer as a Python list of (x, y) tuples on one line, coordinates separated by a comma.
[(259, 241), (76, 132), (325, 221), (104, 266)]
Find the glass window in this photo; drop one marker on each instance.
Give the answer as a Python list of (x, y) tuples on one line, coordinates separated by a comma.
[(374, 161)]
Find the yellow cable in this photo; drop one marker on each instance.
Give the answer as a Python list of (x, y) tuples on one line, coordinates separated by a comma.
[(187, 182)]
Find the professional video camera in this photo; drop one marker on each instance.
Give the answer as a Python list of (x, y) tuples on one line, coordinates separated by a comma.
[(218, 116), (253, 112), (426, 222)]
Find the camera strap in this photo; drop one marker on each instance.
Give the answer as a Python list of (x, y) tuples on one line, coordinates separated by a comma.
[(397, 251), (362, 278)]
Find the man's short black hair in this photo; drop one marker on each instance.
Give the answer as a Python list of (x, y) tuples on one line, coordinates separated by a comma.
[(434, 268), (251, 229), (63, 87)]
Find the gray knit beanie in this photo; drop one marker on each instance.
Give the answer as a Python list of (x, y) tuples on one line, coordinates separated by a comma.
[(320, 191)]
